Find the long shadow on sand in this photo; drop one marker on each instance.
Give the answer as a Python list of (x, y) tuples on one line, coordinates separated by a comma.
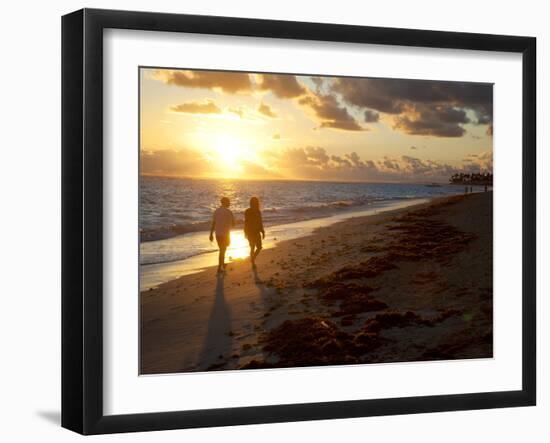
[(218, 341), (265, 292)]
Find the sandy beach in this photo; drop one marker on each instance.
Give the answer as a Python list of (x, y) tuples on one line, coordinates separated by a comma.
[(406, 285)]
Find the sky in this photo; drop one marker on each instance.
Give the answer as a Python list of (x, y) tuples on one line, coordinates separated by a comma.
[(221, 124)]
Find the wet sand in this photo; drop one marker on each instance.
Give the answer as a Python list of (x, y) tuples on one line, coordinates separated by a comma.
[(406, 285)]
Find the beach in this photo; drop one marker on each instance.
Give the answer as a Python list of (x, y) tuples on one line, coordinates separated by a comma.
[(410, 284)]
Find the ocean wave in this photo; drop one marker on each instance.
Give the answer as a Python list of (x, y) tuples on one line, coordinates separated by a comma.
[(172, 231), (156, 259)]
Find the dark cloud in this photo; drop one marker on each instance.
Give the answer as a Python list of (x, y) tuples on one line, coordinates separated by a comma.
[(390, 164), (266, 110), (371, 116), (340, 162), (484, 118), (206, 107), (417, 166), (316, 155), (329, 113), (421, 107), (439, 121), (416, 107), (391, 95), (318, 81), (230, 82), (282, 86)]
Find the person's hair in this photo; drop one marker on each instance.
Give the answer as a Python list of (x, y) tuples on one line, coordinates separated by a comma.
[(224, 201), (255, 203)]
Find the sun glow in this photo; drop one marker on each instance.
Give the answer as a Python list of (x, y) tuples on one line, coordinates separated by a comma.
[(239, 248), (230, 152)]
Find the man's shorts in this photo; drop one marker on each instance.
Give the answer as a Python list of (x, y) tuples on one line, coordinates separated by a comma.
[(223, 240)]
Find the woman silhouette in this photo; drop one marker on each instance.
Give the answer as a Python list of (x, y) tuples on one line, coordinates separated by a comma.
[(254, 228)]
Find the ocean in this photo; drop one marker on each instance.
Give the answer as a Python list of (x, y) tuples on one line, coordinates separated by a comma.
[(175, 213)]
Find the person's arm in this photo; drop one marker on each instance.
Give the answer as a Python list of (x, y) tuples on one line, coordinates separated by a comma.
[(212, 228)]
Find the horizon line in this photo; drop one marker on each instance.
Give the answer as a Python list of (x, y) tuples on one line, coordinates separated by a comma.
[(188, 177)]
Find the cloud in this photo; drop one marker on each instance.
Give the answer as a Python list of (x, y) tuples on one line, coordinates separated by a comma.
[(390, 164), (340, 162), (255, 170), (421, 107), (229, 82), (370, 116), (206, 107), (415, 107), (237, 111), (329, 113), (266, 110), (482, 162), (281, 85), (173, 162), (439, 121), (193, 163), (276, 136), (314, 163)]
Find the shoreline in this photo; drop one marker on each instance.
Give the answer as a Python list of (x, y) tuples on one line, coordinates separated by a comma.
[(154, 274), (404, 285)]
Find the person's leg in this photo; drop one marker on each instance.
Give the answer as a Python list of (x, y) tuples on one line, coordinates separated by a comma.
[(221, 259), (222, 244), (258, 245), (257, 252), (252, 254)]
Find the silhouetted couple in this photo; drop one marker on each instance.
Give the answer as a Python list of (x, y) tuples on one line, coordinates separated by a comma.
[(223, 221)]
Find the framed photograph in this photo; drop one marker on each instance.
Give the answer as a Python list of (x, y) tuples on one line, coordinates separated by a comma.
[(269, 221)]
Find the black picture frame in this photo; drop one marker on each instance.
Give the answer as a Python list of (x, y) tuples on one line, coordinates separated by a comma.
[(82, 219)]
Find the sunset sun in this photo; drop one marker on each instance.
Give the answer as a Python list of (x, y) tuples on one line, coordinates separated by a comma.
[(230, 152)]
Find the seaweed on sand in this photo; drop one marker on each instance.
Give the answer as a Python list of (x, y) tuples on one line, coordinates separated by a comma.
[(314, 341)]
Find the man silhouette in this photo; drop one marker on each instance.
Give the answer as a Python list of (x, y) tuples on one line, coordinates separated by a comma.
[(222, 222)]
